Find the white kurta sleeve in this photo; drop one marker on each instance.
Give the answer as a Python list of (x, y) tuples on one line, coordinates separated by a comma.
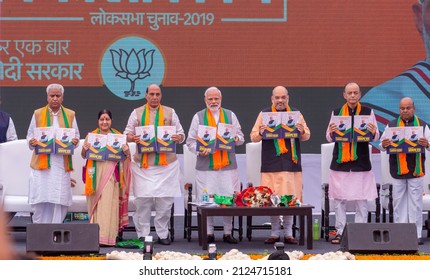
[(30, 131), (177, 124), (192, 135), (11, 132)]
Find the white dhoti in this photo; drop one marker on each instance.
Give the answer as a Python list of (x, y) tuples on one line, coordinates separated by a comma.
[(156, 185), (219, 182), (50, 192)]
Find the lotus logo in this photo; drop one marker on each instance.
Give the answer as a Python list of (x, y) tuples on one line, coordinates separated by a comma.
[(130, 65)]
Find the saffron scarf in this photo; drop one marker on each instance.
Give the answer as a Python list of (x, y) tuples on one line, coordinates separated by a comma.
[(91, 177), (347, 151), (45, 159), (218, 159), (281, 147), (160, 158), (402, 165)]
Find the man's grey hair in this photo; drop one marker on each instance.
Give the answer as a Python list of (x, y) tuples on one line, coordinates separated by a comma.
[(55, 86), (212, 89)]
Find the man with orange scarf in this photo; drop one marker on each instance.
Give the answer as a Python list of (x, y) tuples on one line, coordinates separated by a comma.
[(281, 166), (351, 177), (216, 172), (155, 176), (408, 171), (50, 192)]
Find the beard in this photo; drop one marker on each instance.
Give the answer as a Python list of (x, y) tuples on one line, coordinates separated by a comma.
[(214, 108)]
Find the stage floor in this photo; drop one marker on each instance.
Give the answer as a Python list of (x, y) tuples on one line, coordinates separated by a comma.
[(180, 244)]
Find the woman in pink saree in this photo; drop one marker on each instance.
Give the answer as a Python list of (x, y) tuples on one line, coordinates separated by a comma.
[(107, 186)]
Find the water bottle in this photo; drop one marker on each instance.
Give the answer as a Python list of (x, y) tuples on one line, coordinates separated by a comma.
[(205, 196), (316, 230)]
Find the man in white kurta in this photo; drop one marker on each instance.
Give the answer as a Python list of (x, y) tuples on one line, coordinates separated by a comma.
[(351, 177), (152, 182), (408, 170), (50, 192), (223, 181)]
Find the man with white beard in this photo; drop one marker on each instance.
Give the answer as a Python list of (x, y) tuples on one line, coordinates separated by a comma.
[(216, 172), (384, 98)]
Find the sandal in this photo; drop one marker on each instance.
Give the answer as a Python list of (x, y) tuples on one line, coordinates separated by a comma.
[(336, 240)]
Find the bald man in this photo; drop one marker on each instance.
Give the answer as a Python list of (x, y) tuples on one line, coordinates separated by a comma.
[(408, 183)]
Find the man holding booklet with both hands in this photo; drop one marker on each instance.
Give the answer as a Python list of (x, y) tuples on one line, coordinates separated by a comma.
[(50, 192), (216, 167), (406, 167), (351, 177), (281, 167), (156, 175)]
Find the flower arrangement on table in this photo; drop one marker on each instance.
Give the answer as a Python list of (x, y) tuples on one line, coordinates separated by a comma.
[(260, 196)]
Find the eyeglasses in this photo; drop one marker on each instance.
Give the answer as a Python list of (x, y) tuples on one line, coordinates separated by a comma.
[(352, 92)]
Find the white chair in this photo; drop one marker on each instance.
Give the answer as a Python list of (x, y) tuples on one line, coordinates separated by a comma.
[(386, 192), (253, 177), (327, 205), (190, 196), (253, 163), (15, 159), (386, 188)]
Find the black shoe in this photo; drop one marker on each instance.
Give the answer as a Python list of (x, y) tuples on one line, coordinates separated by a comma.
[(420, 241), (227, 238), (211, 238), (142, 239), (165, 241)]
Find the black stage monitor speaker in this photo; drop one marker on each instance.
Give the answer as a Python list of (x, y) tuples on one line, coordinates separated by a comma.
[(63, 239), (376, 238)]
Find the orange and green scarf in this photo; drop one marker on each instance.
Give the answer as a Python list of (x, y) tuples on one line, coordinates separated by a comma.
[(218, 159), (402, 165), (91, 179), (347, 151), (160, 158), (280, 145), (45, 159)]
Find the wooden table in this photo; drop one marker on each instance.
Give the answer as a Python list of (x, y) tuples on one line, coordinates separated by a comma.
[(302, 211)]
